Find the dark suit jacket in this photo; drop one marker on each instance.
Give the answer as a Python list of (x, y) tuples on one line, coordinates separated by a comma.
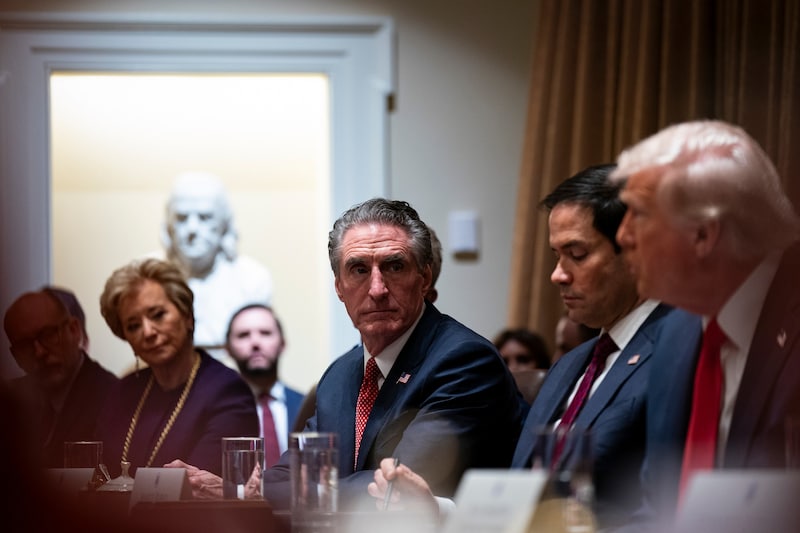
[(614, 414), (458, 408), (294, 399), (82, 406), (769, 391)]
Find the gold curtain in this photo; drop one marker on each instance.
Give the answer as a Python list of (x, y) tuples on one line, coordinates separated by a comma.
[(607, 73)]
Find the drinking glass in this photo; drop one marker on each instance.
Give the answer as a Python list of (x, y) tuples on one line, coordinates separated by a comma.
[(566, 456), (83, 453), (314, 460), (242, 468)]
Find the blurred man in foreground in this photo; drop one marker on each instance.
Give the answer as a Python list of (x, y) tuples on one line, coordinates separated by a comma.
[(709, 229), (63, 388)]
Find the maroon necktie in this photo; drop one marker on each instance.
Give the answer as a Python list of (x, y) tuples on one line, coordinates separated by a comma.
[(366, 397), (272, 451), (602, 349), (701, 438)]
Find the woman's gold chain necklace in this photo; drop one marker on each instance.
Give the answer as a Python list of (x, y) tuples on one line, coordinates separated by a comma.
[(172, 417)]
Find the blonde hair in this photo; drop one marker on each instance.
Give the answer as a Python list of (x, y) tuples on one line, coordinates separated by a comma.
[(127, 279), (712, 170)]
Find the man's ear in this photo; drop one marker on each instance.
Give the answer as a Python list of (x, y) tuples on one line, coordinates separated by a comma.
[(338, 290), (705, 237)]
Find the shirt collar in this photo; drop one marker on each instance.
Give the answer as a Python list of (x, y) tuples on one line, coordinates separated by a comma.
[(736, 316), (623, 331), (277, 392)]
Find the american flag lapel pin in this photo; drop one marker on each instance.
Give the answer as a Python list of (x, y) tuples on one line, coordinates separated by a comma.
[(404, 377), (782, 336), (633, 359)]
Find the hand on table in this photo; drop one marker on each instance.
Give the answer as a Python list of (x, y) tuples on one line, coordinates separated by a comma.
[(205, 485), (208, 486)]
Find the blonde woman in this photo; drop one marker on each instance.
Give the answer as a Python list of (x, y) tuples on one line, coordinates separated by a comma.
[(185, 401)]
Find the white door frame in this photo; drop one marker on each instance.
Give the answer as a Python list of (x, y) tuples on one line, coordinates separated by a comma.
[(356, 53)]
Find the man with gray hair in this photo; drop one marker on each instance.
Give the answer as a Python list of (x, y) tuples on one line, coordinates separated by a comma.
[(710, 229), (199, 235), (421, 386)]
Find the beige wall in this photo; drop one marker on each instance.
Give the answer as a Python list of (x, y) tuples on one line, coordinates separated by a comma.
[(119, 140), (456, 135)]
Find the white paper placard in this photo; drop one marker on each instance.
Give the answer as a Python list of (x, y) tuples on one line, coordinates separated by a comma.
[(741, 500), (160, 485), (495, 501), (69, 479)]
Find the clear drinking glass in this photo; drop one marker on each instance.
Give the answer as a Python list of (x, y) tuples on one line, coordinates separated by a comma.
[(242, 468), (314, 466)]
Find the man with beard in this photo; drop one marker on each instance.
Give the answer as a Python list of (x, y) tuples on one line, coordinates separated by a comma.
[(255, 341)]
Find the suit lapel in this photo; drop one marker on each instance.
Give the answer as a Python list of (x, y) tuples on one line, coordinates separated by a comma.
[(637, 351), (551, 398), (344, 409), (406, 366), (776, 334)]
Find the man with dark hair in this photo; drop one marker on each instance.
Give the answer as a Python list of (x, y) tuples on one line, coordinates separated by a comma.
[(63, 388), (255, 341)]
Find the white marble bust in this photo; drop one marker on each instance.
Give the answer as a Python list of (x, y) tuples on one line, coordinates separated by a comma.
[(199, 234)]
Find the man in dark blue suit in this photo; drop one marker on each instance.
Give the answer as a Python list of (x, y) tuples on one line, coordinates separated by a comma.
[(446, 401), (254, 339), (709, 229), (598, 290)]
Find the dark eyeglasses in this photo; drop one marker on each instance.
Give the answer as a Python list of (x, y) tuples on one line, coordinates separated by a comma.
[(48, 337)]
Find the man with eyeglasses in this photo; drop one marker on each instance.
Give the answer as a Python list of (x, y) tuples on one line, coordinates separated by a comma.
[(63, 388)]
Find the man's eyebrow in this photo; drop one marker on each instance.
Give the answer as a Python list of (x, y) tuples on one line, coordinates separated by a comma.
[(394, 257), (355, 260), (569, 244)]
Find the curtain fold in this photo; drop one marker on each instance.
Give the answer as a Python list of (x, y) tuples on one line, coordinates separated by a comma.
[(607, 73)]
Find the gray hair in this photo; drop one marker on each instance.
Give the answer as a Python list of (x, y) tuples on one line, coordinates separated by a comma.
[(712, 170), (382, 211)]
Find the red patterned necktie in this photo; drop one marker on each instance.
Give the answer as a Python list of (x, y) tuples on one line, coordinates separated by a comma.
[(366, 397), (604, 347), (701, 439), (272, 451)]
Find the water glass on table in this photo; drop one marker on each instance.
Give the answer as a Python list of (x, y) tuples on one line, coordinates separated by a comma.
[(242, 468), (314, 460)]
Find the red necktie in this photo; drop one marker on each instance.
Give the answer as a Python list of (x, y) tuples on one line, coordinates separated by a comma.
[(272, 451), (701, 438), (366, 397), (604, 347)]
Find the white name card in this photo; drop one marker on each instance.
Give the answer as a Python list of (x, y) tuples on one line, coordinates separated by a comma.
[(160, 485), (495, 501)]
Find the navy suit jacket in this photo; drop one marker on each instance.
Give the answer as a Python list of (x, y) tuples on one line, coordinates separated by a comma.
[(294, 399), (615, 415), (769, 391), (449, 403)]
